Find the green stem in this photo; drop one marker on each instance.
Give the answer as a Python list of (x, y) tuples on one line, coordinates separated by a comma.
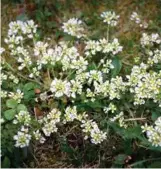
[(34, 76), (108, 31), (24, 77), (143, 161)]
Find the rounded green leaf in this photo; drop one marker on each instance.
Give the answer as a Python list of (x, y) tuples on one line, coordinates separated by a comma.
[(21, 107), (11, 103), (9, 114), (29, 86)]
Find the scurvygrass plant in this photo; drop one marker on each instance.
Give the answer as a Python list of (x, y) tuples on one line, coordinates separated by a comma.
[(84, 87)]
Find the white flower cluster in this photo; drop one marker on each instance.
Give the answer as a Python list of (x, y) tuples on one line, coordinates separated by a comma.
[(154, 57), (144, 85), (60, 88), (3, 78), (18, 30), (49, 122), (23, 117), (150, 40), (106, 65), (22, 138), (18, 96), (79, 78), (35, 72), (93, 46), (24, 62), (37, 135), (137, 19), (74, 27), (112, 89), (3, 94), (153, 132), (120, 119), (90, 128), (76, 88), (111, 107), (70, 114), (69, 57), (110, 18), (40, 48), (13, 78), (94, 75)]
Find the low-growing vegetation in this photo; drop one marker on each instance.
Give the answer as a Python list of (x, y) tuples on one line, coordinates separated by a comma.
[(80, 96)]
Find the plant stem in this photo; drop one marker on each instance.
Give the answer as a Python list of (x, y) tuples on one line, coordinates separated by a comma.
[(20, 75), (135, 119), (108, 31), (143, 161), (34, 76)]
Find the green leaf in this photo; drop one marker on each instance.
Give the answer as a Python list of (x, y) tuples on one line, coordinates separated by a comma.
[(11, 103), (117, 66), (29, 86), (9, 114), (6, 162), (92, 66), (21, 107), (129, 133), (120, 159), (156, 164), (155, 115)]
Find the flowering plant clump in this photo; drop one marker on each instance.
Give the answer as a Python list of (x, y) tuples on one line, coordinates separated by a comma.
[(84, 88)]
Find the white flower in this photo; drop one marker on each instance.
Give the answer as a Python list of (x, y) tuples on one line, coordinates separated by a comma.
[(3, 94), (18, 96), (153, 132), (92, 47), (3, 77), (94, 75), (150, 40), (107, 66), (154, 57), (2, 50), (120, 118), (35, 73), (54, 115), (49, 122), (60, 87), (23, 117), (40, 48), (90, 94), (135, 17), (49, 128), (22, 139), (24, 62), (70, 114), (110, 18), (111, 108), (80, 65), (38, 136), (90, 128), (74, 27), (76, 88), (144, 85), (14, 78)]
